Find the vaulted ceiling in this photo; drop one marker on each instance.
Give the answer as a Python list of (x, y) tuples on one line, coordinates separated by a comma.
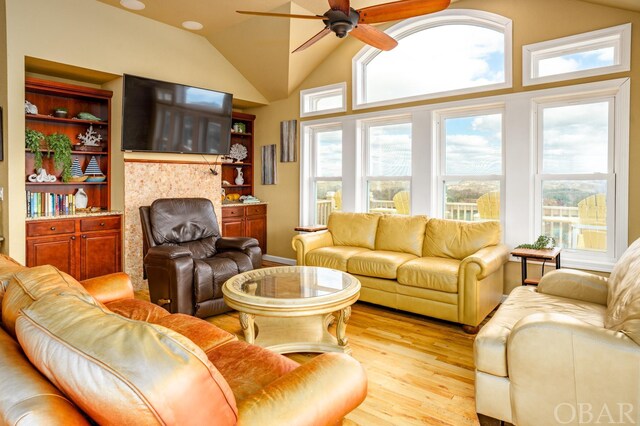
[(260, 47)]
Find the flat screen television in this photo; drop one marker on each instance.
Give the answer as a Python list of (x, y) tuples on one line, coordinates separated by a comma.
[(159, 116)]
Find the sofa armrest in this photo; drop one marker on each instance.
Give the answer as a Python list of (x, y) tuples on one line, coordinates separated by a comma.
[(109, 288), (488, 259), (574, 284), (304, 243), (555, 359), (308, 395), (235, 243)]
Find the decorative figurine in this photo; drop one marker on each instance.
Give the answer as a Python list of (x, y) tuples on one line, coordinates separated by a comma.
[(91, 137), (240, 177), (238, 152)]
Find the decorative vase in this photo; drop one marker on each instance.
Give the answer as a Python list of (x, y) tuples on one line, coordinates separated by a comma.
[(81, 199), (240, 177)]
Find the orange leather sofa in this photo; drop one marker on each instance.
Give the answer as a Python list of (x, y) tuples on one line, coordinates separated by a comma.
[(73, 353)]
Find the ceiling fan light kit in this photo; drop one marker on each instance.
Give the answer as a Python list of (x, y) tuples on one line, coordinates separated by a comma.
[(342, 19)]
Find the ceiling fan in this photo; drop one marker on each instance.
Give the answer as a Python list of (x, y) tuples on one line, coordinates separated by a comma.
[(342, 19)]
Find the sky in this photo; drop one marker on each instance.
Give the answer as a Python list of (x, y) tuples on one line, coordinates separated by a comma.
[(473, 145), (576, 62)]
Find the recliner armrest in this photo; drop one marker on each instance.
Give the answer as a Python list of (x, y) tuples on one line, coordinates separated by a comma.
[(301, 396), (235, 243), (574, 284), (169, 252)]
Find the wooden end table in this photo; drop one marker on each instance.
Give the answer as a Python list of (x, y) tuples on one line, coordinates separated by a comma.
[(289, 308), (543, 254)]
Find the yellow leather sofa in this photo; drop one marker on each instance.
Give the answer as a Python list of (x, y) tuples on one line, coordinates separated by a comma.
[(566, 352), (440, 268), (79, 354)]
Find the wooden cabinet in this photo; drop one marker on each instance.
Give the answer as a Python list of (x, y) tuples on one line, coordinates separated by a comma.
[(246, 221), (47, 96), (230, 170), (84, 247)]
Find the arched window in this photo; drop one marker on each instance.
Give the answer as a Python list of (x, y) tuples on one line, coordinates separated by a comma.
[(442, 54)]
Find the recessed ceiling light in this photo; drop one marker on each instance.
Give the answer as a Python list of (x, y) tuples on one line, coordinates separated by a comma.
[(132, 4), (192, 25)]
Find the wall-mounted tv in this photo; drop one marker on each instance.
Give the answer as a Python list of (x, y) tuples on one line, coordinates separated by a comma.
[(167, 117)]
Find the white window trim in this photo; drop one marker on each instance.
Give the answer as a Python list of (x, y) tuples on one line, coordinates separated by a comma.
[(419, 23), (308, 95), (618, 37), (443, 178), (520, 159)]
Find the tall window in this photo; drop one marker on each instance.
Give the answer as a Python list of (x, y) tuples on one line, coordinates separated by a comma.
[(472, 169), (576, 181), (455, 51), (388, 166), (327, 171)]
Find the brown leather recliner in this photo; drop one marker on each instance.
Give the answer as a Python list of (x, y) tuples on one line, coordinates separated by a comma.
[(186, 260)]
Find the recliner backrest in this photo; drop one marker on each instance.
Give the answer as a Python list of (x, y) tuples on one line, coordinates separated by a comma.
[(188, 222)]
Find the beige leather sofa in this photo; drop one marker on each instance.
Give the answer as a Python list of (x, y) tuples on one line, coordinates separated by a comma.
[(566, 352), (73, 354), (441, 268)]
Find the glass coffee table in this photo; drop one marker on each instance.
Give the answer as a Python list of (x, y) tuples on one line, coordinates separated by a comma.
[(290, 308)]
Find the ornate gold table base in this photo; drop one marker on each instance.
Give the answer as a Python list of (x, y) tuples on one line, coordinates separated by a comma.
[(297, 334)]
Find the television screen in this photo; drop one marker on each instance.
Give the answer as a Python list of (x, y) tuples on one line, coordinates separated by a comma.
[(166, 117)]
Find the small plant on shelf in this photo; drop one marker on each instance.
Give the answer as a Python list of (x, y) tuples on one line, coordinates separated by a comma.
[(543, 242), (33, 139), (60, 144)]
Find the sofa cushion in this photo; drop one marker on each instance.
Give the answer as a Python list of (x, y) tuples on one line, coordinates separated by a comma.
[(353, 229), (31, 284), (434, 273), (121, 371), (378, 263), (28, 398), (139, 310), (334, 257), (623, 302), (404, 234), (491, 342), (457, 240), (204, 334), (249, 368)]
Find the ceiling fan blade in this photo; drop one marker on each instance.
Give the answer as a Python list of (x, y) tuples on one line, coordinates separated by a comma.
[(402, 9), (374, 37), (342, 5), (313, 40), (280, 15)]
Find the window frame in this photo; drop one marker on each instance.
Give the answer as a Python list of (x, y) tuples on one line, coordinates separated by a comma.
[(365, 125), (310, 96), (442, 177), (410, 26), (520, 165), (618, 37), (609, 177)]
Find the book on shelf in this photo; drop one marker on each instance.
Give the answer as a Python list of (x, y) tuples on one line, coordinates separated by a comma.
[(40, 204)]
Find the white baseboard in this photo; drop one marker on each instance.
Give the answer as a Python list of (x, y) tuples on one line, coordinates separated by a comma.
[(279, 259)]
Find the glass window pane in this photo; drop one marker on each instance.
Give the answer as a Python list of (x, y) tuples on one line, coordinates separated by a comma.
[(473, 145), (574, 212), (331, 101), (596, 58), (576, 138), (328, 199), (472, 200), (389, 197), (389, 150), (329, 153), (437, 59)]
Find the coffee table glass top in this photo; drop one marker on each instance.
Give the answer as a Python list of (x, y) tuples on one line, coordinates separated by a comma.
[(294, 283)]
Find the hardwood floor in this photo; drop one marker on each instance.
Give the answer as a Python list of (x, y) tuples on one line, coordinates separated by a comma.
[(420, 370)]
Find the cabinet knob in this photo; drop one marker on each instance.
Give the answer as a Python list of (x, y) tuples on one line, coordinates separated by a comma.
[(101, 223), (53, 228), (84, 236), (73, 238)]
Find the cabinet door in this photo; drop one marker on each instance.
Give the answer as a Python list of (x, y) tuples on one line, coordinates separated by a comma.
[(99, 254), (233, 227), (256, 227), (60, 252)]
